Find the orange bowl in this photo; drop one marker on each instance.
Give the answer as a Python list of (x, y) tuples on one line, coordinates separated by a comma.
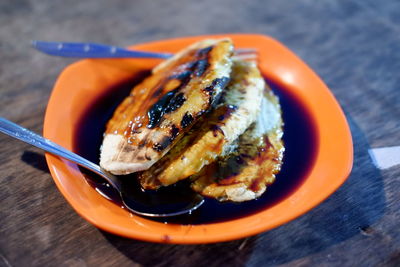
[(81, 84)]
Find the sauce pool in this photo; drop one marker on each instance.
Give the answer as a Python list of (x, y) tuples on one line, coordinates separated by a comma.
[(299, 154)]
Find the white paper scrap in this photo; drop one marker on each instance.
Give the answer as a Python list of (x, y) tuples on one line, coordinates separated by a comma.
[(385, 157)]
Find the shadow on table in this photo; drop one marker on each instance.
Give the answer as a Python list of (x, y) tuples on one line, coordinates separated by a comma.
[(36, 160), (348, 212), (234, 253)]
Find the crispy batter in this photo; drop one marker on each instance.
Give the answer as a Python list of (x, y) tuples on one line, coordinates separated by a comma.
[(164, 106)]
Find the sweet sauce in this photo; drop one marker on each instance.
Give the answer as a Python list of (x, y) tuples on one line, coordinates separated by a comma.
[(299, 154)]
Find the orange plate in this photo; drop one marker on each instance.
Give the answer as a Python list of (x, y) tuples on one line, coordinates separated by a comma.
[(80, 83)]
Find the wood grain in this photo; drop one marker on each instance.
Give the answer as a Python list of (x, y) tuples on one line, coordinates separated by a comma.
[(353, 45)]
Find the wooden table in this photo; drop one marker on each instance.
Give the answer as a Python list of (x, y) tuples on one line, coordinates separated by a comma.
[(353, 45)]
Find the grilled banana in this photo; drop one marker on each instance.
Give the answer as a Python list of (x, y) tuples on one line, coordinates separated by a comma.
[(213, 135), (246, 173), (164, 106)]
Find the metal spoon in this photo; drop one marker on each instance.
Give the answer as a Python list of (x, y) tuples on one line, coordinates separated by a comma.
[(163, 204), (93, 50)]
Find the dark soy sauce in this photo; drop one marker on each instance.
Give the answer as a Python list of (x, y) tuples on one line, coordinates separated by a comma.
[(299, 154)]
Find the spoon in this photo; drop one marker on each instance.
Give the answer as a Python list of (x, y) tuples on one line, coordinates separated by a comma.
[(93, 50), (164, 203)]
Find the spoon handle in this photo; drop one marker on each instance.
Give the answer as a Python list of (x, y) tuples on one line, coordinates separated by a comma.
[(92, 50), (27, 136)]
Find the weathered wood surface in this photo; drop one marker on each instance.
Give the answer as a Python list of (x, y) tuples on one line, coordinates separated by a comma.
[(353, 45)]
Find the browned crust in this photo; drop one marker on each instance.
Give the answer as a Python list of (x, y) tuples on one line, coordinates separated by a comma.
[(247, 172), (154, 116), (239, 107)]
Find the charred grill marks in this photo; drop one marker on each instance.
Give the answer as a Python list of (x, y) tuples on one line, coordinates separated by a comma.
[(164, 143), (173, 100), (227, 112), (182, 76), (216, 129), (204, 51), (175, 103), (200, 67), (186, 120), (167, 140), (174, 131), (217, 83), (156, 112), (157, 147)]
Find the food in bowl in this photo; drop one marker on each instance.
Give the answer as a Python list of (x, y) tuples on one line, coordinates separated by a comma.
[(317, 160), (201, 115)]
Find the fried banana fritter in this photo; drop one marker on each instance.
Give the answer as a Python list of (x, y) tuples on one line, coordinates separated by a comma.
[(245, 174), (213, 135), (165, 105)]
